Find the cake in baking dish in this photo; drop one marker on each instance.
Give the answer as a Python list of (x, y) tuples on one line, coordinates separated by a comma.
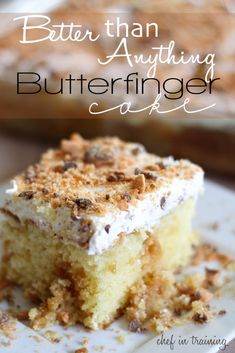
[(89, 221)]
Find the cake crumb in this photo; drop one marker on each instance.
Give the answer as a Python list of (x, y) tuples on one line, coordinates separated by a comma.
[(200, 312), (63, 317), (7, 325), (139, 183), (22, 315), (6, 344), (98, 348), (81, 350), (222, 312), (213, 226), (85, 341), (121, 339), (231, 266), (202, 294), (208, 253), (163, 301), (212, 277), (52, 336), (4, 318), (135, 326), (69, 335), (37, 339)]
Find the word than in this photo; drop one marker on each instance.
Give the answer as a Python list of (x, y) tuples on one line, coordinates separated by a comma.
[(118, 28)]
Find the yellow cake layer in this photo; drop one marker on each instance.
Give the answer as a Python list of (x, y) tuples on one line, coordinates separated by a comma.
[(77, 287)]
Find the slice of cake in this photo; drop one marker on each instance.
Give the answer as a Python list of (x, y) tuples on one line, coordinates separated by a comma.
[(89, 221)]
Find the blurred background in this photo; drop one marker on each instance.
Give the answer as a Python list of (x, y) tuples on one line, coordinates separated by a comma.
[(29, 126)]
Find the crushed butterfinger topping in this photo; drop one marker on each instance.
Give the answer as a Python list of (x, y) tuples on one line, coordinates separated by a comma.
[(81, 350), (163, 301), (139, 183), (90, 176), (209, 253)]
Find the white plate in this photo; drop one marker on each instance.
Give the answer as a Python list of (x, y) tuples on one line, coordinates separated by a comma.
[(217, 205)]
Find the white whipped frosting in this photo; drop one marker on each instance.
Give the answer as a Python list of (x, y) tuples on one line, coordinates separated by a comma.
[(145, 215), (13, 189)]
